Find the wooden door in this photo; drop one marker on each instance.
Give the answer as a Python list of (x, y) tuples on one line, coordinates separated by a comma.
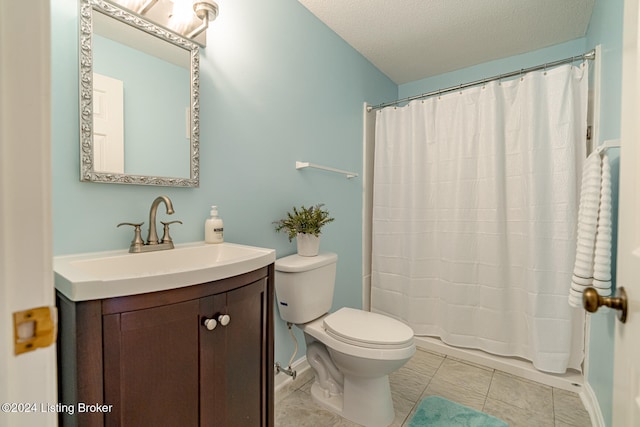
[(234, 358), (626, 381), (26, 278), (151, 373), (108, 124)]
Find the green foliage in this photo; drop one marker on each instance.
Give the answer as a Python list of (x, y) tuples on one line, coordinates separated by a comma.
[(304, 220)]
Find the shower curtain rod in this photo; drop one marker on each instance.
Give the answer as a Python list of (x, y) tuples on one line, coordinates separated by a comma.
[(591, 55)]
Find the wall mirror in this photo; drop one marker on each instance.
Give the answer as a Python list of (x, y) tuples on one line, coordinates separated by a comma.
[(139, 107)]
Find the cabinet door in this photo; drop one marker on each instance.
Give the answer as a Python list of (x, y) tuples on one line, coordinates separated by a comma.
[(151, 366), (234, 358)]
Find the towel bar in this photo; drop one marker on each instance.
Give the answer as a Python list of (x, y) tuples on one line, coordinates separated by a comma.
[(302, 165), (611, 143)]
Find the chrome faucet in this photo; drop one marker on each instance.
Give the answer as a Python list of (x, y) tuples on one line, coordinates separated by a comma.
[(152, 238), (138, 245)]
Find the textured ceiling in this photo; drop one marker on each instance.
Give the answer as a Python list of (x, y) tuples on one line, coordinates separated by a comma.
[(410, 40)]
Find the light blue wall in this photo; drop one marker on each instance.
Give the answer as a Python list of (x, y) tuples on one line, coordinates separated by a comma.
[(276, 86), (605, 29), (493, 68)]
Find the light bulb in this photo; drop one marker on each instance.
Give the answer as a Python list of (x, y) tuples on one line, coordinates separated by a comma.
[(181, 16)]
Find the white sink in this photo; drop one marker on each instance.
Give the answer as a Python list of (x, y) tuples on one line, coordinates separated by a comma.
[(118, 273)]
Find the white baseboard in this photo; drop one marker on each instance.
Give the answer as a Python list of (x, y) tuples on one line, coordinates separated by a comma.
[(590, 402)]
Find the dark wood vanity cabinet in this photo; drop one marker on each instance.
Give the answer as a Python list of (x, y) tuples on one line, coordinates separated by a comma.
[(149, 359)]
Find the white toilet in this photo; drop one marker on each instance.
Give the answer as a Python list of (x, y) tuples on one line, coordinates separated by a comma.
[(351, 351)]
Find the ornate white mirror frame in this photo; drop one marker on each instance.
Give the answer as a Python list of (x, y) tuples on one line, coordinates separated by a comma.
[(87, 170)]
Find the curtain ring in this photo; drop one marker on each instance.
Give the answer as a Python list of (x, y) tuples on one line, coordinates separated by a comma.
[(545, 69), (460, 88), (521, 74)]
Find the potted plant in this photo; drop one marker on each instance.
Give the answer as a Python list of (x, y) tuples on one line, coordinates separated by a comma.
[(305, 224)]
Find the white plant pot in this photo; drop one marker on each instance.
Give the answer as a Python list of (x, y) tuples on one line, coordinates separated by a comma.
[(308, 244)]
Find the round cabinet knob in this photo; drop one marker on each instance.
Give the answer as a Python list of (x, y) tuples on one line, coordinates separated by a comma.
[(210, 324), (224, 319)]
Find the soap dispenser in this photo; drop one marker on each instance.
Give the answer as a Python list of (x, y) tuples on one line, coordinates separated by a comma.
[(213, 227)]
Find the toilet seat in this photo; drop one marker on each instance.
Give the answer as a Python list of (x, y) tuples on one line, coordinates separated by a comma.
[(365, 329)]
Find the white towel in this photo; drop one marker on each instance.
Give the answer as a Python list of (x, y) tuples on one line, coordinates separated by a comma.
[(593, 252)]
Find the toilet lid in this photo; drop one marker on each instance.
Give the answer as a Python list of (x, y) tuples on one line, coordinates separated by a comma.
[(366, 329)]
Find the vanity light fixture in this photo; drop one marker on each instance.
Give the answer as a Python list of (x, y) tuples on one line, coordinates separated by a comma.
[(189, 18), (206, 11)]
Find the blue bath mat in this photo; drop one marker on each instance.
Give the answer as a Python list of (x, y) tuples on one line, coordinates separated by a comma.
[(436, 411)]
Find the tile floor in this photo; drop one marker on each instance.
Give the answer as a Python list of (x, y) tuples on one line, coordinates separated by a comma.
[(519, 402)]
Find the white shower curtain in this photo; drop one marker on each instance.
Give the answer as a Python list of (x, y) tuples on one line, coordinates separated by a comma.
[(474, 217)]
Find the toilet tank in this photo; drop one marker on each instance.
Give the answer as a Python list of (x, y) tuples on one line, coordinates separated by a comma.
[(304, 286)]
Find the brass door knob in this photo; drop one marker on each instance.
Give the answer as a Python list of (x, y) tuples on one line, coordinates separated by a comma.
[(591, 301)]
